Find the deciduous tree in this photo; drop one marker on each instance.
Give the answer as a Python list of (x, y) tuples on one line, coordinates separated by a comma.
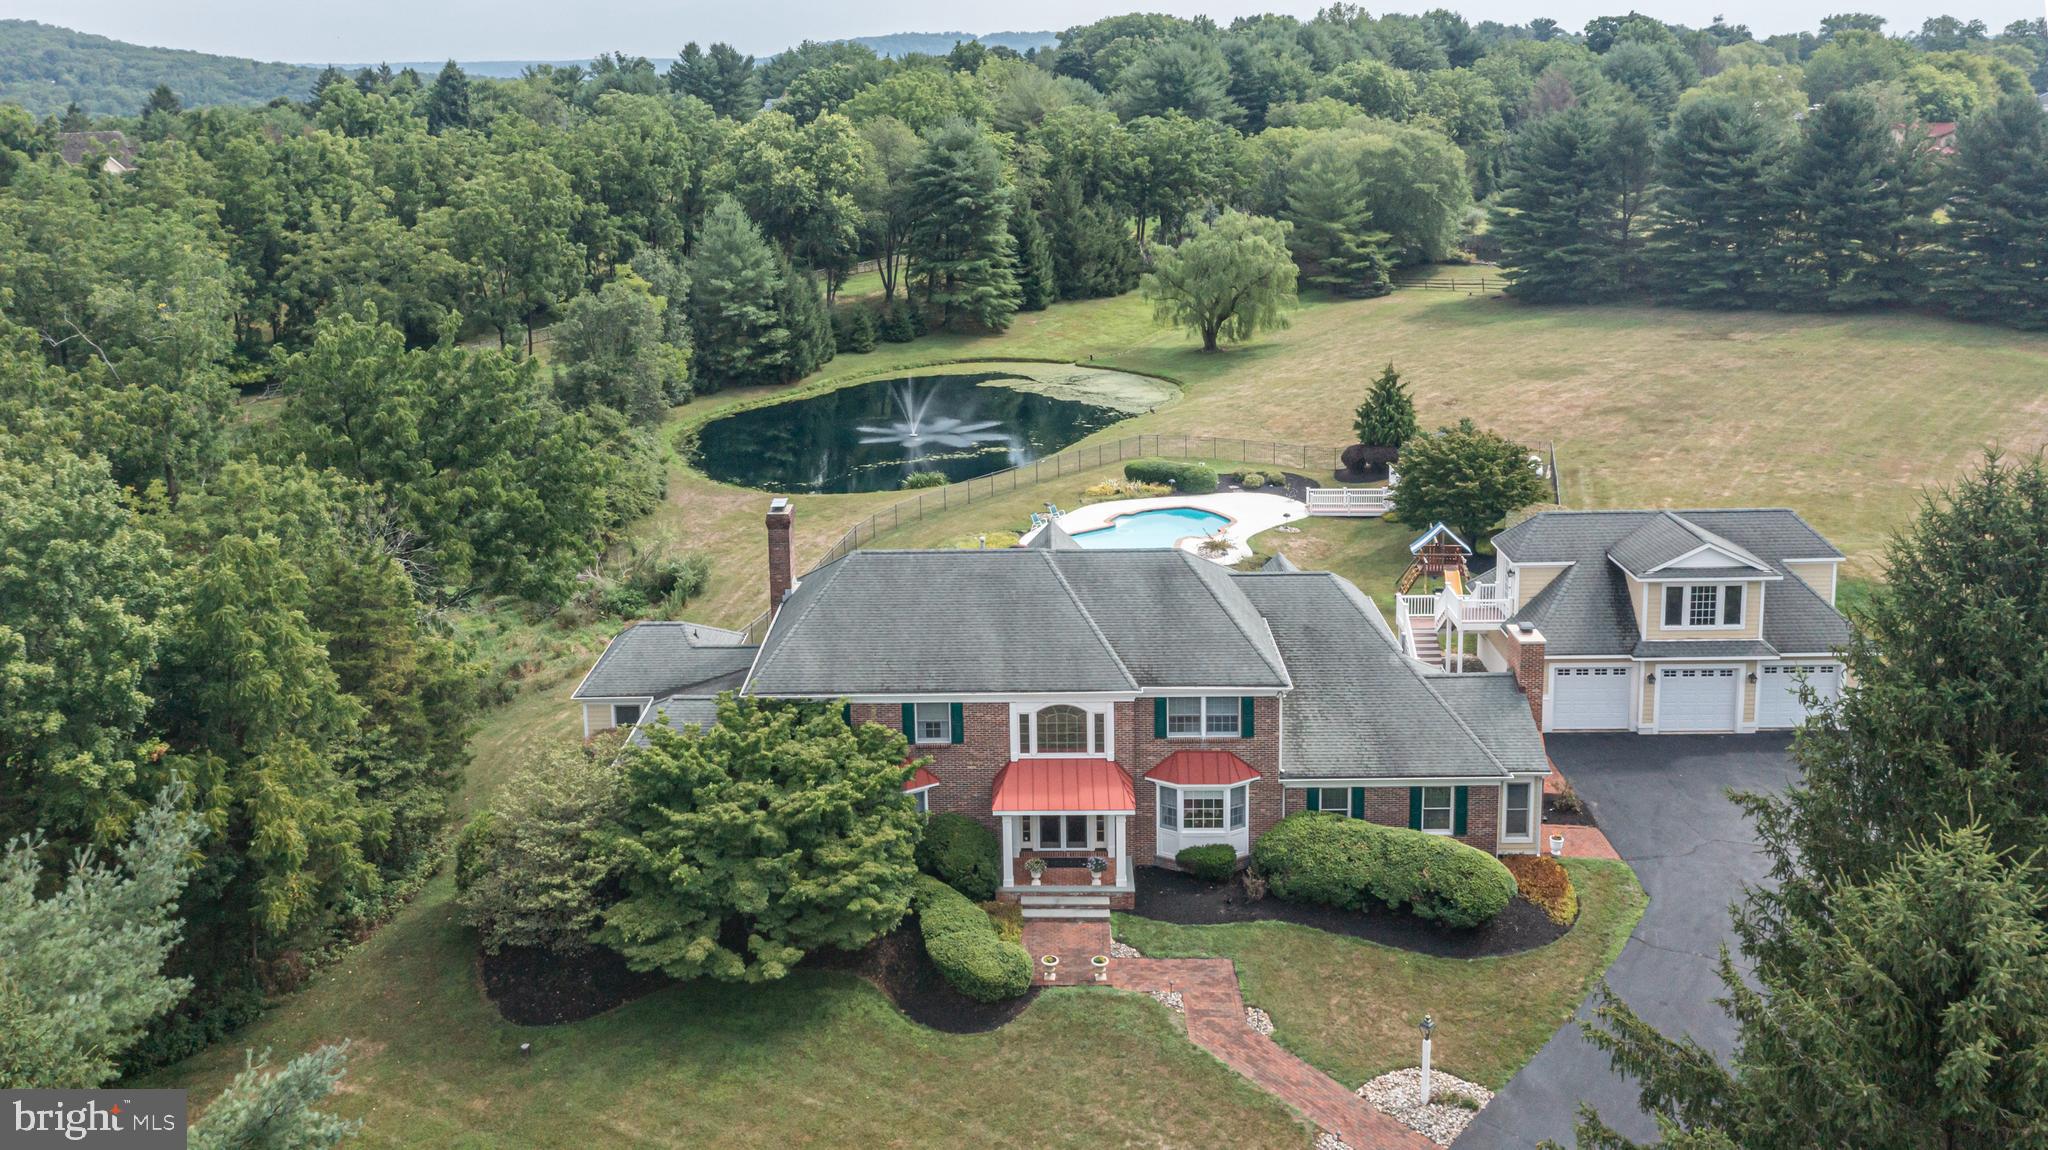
[(1229, 280), (1465, 478)]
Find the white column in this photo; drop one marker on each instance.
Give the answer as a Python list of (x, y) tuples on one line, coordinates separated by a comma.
[(1009, 850), (1121, 832)]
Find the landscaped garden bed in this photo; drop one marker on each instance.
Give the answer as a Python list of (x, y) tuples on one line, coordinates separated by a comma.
[(534, 986), (1171, 896), (898, 966)]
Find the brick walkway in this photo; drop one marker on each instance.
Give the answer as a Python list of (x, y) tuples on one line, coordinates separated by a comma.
[(1579, 842), (1215, 1017), (1075, 942)]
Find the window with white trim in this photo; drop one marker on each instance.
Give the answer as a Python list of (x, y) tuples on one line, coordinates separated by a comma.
[(1215, 716), (933, 722), (1201, 810), (1240, 798), (922, 800), (1436, 809), (1516, 822), (1335, 800), (1204, 809), (1060, 729), (1702, 606), (625, 714)]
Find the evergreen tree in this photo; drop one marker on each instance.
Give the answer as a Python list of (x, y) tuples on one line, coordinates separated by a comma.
[(722, 78), (1094, 254), (1850, 197), (961, 242), (1715, 232), (82, 968), (1387, 417), (736, 322), (1331, 215), (800, 308), (162, 102), (274, 1110), (75, 120), (536, 876), (1995, 259), (1037, 286), (1189, 76), (780, 825), (447, 100), (1916, 1017), (1557, 210)]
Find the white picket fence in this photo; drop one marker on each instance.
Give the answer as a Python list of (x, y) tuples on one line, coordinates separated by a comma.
[(1350, 501)]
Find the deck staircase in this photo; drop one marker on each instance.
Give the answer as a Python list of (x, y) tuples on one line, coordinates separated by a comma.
[(1429, 647), (1065, 905)]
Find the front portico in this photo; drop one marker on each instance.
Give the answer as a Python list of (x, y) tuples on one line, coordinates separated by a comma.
[(1064, 811)]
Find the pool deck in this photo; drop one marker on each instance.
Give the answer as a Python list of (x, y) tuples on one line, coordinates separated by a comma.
[(1249, 513)]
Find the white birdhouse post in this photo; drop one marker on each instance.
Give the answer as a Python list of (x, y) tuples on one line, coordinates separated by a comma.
[(1428, 1024)]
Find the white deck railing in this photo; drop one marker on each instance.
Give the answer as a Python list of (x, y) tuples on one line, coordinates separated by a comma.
[(1352, 501), (1476, 610)]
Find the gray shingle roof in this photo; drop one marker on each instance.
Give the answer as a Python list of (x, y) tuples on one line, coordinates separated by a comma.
[(1053, 537), (1280, 564), (1665, 536), (655, 660), (1360, 709), (1015, 621), (1498, 713), (1586, 611)]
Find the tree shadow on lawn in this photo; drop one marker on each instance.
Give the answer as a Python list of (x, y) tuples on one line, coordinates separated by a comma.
[(1176, 897)]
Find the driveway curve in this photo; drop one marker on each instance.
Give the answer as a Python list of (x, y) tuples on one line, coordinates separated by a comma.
[(1662, 801)]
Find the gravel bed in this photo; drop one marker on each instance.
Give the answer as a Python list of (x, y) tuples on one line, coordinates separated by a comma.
[(1258, 1020), (1329, 1141), (1394, 1093), (1123, 950), (1169, 997)]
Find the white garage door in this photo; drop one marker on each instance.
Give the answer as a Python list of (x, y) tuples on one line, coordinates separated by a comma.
[(1777, 691), (1589, 698), (1697, 698)]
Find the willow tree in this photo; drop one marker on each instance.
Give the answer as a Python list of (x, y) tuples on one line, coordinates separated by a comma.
[(1229, 280)]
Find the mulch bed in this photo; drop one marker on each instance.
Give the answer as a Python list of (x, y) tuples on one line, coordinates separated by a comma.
[(1297, 486), (532, 986), (1171, 896), (1552, 815), (897, 966)]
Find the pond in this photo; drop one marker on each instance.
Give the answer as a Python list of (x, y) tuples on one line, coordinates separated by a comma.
[(869, 436)]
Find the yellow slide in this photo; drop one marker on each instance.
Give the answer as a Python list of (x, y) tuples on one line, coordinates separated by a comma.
[(1454, 581)]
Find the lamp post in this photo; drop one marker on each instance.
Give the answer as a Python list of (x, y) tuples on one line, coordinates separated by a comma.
[(1428, 1024)]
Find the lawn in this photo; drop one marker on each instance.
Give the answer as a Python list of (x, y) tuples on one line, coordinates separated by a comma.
[(819, 1059), (1845, 418), (1350, 1007)]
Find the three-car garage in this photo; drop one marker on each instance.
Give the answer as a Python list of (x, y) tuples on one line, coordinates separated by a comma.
[(1685, 697)]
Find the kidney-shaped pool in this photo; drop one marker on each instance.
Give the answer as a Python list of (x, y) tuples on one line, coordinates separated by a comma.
[(1159, 527)]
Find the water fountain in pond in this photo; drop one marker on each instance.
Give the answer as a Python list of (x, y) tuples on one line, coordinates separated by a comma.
[(915, 435)]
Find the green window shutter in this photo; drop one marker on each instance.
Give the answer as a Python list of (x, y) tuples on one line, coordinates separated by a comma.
[(1159, 718), (1414, 808), (1244, 726), (1358, 802), (910, 721), (846, 713), (959, 723), (1459, 802), (1315, 798)]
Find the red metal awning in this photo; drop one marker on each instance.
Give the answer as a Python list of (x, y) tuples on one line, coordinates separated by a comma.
[(1202, 769), (921, 779), (1047, 786)]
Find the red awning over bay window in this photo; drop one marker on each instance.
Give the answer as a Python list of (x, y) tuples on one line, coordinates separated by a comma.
[(1202, 769), (921, 779), (1048, 786)]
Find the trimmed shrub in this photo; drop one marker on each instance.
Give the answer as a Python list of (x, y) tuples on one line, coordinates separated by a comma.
[(920, 479), (1545, 882), (963, 943), (961, 853), (1186, 476), (1343, 862), (1213, 863), (1251, 481)]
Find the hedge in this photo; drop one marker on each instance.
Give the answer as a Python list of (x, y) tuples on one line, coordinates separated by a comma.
[(1214, 863), (961, 853), (1186, 476), (962, 942), (1343, 862)]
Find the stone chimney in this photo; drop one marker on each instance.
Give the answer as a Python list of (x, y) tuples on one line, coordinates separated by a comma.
[(781, 520), (1526, 653)]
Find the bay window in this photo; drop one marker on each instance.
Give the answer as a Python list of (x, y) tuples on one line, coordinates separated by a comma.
[(1204, 810)]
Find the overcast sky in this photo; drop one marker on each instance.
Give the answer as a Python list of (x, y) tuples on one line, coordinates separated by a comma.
[(369, 30)]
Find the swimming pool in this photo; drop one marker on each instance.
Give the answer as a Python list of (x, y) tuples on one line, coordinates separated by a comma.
[(1159, 527)]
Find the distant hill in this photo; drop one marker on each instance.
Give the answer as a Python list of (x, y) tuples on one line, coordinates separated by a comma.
[(44, 68)]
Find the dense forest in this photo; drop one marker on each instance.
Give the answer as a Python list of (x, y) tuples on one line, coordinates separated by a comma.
[(46, 69), (252, 606)]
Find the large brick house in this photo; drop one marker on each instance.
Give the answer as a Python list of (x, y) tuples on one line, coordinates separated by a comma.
[(1122, 704)]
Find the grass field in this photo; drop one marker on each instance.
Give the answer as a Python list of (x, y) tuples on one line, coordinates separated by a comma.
[(1350, 1007), (1846, 419)]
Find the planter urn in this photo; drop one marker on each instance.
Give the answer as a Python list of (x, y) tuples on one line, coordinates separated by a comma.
[(1101, 964), (1051, 963), (1556, 846)]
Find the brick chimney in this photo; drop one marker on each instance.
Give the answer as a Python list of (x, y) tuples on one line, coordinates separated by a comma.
[(781, 520), (1528, 661)]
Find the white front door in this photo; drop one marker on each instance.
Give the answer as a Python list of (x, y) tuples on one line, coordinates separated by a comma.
[(1698, 698), (1585, 697), (1777, 691)]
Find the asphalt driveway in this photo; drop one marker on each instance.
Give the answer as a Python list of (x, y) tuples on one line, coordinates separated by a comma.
[(1661, 799)]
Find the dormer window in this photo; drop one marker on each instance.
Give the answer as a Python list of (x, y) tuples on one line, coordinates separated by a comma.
[(1702, 606)]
